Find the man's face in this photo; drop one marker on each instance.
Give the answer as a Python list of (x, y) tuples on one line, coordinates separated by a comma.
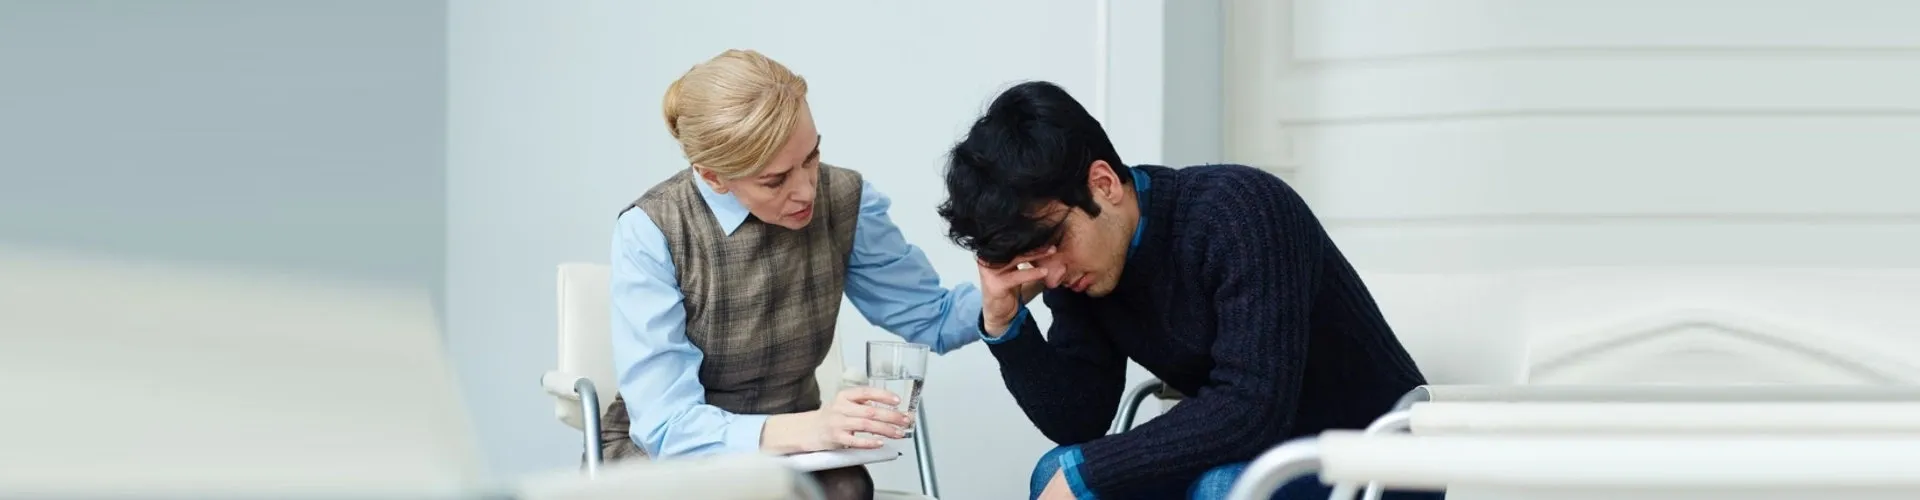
[(1090, 252)]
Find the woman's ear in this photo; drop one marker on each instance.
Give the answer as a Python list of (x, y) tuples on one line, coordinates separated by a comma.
[(712, 179)]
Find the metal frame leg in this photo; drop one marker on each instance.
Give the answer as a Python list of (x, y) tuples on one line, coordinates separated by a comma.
[(1399, 420), (1276, 468), (590, 420), (1130, 406), (923, 452)]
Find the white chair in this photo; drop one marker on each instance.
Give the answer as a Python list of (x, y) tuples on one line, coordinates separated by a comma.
[(1823, 418), (1623, 393), (583, 384), (1649, 409), (1881, 466)]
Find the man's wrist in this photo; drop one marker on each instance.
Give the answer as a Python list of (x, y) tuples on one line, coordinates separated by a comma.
[(1003, 333), (994, 331)]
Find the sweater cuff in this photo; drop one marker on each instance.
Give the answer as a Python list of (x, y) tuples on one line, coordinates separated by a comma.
[(1013, 328), (1070, 463)]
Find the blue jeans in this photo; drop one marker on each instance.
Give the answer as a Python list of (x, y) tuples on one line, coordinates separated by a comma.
[(1210, 485)]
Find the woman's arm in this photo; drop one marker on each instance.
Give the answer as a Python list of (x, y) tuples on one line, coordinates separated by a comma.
[(894, 286), (657, 367), (659, 371)]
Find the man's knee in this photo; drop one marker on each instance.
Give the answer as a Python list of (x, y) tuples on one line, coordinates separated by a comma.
[(1048, 465), (846, 483)]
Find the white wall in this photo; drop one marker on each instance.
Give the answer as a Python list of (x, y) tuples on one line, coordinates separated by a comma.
[(1612, 182), (220, 241), (278, 136), (554, 125)]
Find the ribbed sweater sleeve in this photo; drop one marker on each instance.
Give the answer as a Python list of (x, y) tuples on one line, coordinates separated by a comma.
[(1068, 383), (1260, 250)]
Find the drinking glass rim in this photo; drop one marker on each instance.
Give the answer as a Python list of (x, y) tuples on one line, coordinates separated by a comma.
[(896, 343)]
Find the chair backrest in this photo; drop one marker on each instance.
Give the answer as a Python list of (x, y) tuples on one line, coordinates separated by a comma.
[(585, 333), (586, 339)]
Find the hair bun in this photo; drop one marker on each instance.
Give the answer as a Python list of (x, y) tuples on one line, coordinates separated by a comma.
[(670, 107)]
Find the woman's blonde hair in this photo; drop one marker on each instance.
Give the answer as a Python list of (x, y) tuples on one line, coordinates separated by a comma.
[(732, 113)]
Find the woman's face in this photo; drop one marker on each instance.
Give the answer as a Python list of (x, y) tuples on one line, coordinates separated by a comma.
[(782, 193)]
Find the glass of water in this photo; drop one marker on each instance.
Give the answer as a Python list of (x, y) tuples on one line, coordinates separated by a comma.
[(899, 368)]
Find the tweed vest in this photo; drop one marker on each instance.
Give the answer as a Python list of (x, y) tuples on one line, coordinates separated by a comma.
[(762, 302)]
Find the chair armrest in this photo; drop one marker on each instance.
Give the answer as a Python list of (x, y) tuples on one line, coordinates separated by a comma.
[(567, 391), (561, 385)]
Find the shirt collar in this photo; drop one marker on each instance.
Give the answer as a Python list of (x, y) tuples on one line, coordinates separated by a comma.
[(727, 209), (1141, 183)]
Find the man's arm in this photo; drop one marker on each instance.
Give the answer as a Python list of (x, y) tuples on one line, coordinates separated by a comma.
[(895, 287), (1263, 252), (1069, 383)]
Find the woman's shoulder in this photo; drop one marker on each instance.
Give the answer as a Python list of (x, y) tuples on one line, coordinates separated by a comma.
[(839, 176), (676, 185), (844, 185)]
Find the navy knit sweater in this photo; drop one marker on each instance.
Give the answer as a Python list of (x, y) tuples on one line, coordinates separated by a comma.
[(1234, 296)]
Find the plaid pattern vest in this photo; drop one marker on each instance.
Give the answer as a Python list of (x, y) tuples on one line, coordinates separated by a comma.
[(761, 303)]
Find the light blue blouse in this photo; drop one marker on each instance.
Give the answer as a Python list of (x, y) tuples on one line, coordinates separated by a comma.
[(888, 280)]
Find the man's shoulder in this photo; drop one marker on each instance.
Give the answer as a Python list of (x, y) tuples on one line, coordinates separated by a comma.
[(1213, 185), (1215, 175)]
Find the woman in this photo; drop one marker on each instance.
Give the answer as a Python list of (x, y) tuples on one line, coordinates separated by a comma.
[(727, 280)]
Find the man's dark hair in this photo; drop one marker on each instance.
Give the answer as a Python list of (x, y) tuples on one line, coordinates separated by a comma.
[(1031, 147)]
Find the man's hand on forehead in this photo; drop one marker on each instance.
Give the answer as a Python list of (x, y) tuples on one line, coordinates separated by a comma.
[(1035, 255), (1021, 262)]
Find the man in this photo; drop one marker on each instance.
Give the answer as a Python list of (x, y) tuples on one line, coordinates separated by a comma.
[(1216, 278)]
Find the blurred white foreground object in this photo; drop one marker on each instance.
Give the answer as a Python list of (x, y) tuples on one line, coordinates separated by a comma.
[(148, 380), (730, 477), (1696, 466), (156, 379)]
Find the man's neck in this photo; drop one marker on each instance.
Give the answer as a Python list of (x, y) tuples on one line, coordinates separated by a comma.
[(1137, 220)]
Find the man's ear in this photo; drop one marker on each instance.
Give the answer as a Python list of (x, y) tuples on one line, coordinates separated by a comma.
[(1102, 181), (712, 179)]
